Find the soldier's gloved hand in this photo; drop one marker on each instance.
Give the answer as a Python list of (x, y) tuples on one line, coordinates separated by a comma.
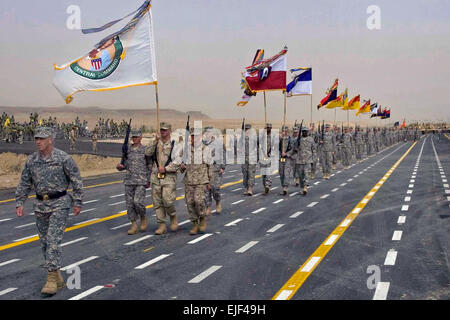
[(162, 170), (183, 166), (208, 187), (19, 211), (147, 185), (221, 171), (120, 167), (76, 211)]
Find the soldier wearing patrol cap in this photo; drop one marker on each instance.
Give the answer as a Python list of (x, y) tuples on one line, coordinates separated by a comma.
[(218, 170), (248, 169), (198, 175), (305, 152), (286, 145), (138, 165), (293, 156), (49, 171), (73, 138), (164, 178), (347, 145), (328, 146), (265, 145)]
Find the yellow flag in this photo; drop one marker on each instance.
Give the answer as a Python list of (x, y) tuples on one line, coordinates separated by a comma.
[(7, 122)]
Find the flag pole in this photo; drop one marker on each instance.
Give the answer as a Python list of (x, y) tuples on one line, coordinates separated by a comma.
[(311, 107), (157, 107), (265, 109), (284, 112)]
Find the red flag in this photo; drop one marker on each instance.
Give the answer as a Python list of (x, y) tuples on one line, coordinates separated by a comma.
[(268, 74)]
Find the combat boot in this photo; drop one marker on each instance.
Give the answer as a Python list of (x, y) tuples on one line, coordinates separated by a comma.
[(161, 229), (194, 229), (297, 182), (202, 224), (208, 211), (305, 190), (51, 286), (133, 229), (284, 192), (60, 280), (143, 223), (250, 191), (266, 189), (218, 207), (173, 223)]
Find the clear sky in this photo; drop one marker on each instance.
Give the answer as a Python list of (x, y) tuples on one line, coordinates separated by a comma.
[(202, 46)]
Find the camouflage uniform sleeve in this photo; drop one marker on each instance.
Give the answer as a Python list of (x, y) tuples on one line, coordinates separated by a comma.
[(175, 164), (73, 173), (25, 184)]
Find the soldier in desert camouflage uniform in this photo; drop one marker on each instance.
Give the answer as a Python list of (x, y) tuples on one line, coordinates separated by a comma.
[(286, 144), (163, 178), (49, 171), (305, 152), (198, 174), (328, 147), (73, 138), (138, 165), (248, 168), (347, 147), (218, 170), (265, 147)]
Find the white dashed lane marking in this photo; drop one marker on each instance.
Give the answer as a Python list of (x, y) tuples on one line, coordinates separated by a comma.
[(205, 274)]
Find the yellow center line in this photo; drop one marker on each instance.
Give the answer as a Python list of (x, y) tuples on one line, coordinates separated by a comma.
[(299, 277), (114, 216)]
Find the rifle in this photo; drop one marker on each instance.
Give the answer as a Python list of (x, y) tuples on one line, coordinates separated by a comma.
[(186, 141), (299, 138), (342, 132), (125, 145), (323, 129), (295, 123)]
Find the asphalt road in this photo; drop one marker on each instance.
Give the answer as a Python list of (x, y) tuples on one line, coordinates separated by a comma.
[(380, 230)]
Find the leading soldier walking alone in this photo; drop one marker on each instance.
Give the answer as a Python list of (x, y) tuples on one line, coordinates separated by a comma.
[(49, 171)]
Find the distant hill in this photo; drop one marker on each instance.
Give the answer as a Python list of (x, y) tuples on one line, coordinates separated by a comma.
[(92, 114)]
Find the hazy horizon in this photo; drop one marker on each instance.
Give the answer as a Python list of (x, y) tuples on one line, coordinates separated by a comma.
[(203, 46)]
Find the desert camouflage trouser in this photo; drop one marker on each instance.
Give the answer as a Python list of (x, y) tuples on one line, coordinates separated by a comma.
[(195, 201), (248, 173), (163, 201), (285, 173), (51, 226), (135, 199), (214, 192), (303, 171)]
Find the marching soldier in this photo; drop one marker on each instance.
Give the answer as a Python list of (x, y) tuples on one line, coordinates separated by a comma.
[(163, 178), (316, 156), (359, 142), (73, 138), (216, 179), (248, 169), (305, 152), (293, 156), (197, 181), (94, 140), (49, 171), (328, 146), (138, 165), (347, 142), (286, 144), (265, 163)]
